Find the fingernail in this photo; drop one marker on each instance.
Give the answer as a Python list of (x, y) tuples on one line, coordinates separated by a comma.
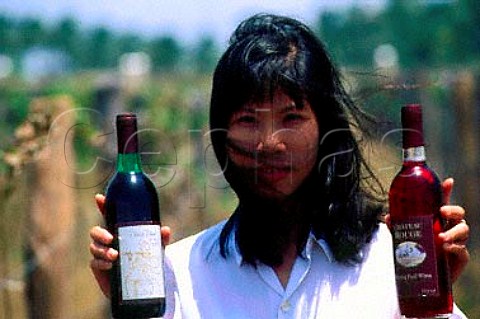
[(107, 234), (444, 237), (111, 253)]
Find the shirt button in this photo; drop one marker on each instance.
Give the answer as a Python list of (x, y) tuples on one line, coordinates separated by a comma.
[(285, 306)]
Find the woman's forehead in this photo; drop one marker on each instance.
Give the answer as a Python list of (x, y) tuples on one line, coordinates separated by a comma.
[(279, 109), (269, 107), (277, 101)]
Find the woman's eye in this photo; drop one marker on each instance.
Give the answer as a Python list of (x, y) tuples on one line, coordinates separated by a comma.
[(293, 118), (246, 120)]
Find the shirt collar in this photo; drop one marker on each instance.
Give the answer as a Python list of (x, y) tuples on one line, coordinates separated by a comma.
[(307, 251), (312, 241), (236, 251)]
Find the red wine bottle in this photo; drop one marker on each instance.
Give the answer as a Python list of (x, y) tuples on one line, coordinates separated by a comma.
[(133, 217), (415, 197)]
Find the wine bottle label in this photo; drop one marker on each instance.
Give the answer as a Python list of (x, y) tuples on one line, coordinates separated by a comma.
[(415, 257), (141, 262)]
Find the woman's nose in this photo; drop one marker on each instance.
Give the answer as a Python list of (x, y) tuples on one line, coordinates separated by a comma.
[(271, 139)]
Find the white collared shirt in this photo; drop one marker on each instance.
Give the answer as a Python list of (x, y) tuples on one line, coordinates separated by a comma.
[(201, 283)]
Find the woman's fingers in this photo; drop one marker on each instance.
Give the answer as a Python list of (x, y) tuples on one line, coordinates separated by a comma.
[(458, 234), (166, 235), (100, 199), (459, 251), (458, 258), (452, 214), (99, 248), (100, 264), (102, 252), (447, 187), (456, 228), (455, 237), (101, 235)]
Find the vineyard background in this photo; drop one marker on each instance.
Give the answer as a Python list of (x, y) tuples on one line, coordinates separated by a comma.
[(57, 141)]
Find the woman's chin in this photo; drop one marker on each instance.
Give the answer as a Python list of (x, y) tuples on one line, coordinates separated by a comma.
[(273, 194)]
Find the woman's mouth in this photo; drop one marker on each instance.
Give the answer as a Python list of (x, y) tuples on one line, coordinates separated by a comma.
[(273, 174)]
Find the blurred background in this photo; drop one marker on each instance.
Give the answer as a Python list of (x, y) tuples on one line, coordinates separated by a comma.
[(66, 69)]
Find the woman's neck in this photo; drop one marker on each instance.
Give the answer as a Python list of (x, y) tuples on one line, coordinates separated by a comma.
[(289, 255), (284, 270)]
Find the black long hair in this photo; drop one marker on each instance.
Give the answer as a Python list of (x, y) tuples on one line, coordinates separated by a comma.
[(268, 53)]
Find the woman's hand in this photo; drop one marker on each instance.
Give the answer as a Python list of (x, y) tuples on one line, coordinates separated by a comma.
[(103, 254), (456, 232)]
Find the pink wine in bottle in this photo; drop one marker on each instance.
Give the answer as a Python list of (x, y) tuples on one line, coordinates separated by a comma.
[(415, 197), (133, 217)]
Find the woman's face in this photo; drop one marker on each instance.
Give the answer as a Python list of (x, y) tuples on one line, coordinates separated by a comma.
[(274, 145)]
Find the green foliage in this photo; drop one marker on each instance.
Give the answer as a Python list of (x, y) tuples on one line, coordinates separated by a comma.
[(425, 35), (14, 100), (205, 55), (100, 47), (165, 53)]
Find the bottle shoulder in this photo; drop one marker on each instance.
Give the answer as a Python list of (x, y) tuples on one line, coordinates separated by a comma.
[(133, 178), (131, 198), (130, 184), (416, 171), (416, 190)]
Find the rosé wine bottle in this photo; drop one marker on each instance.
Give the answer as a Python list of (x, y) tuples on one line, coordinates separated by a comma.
[(415, 197)]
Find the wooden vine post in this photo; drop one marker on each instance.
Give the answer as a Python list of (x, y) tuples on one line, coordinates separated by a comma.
[(51, 206), (466, 104)]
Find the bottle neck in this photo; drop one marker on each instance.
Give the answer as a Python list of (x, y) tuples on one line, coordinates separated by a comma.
[(128, 159), (414, 154), (412, 134), (129, 163)]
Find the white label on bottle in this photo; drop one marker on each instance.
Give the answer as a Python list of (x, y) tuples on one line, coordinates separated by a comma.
[(141, 262)]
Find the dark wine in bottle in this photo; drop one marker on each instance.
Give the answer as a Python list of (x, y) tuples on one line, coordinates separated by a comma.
[(133, 217), (415, 197)]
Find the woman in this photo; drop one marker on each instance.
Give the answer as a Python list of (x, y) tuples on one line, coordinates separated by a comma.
[(306, 240)]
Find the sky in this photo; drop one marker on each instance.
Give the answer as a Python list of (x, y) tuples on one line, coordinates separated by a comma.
[(186, 19)]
